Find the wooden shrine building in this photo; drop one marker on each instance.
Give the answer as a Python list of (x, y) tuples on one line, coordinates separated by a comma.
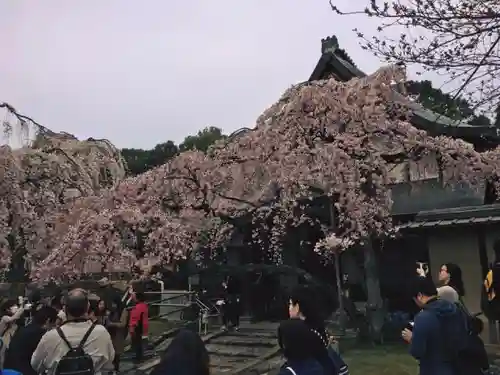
[(455, 224)]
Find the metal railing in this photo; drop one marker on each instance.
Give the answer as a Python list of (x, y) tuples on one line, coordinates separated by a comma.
[(202, 311), (208, 311)]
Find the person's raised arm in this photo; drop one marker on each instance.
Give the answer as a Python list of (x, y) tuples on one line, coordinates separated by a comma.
[(18, 314), (107, 349), (420, 334)]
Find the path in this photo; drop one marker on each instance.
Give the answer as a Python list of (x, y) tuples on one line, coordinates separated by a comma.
[(254, 346)]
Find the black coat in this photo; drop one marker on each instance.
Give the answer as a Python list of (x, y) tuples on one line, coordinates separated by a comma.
[(21, 348)]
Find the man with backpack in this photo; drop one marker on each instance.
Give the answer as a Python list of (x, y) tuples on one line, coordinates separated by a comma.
[(78, 347), (439, 335)]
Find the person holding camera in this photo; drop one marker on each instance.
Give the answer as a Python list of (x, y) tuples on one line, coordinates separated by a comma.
[(439, 333), (11, 313)]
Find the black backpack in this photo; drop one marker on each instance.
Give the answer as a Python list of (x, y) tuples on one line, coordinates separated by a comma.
[(336, 363), (75, 361), (457, 344)]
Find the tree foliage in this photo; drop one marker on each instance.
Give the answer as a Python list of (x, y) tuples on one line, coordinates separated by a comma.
[(139, 160), (329, 138), (445, 104), (459, 38), (203, 140)]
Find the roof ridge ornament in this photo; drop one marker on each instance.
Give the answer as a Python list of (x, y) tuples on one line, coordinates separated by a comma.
[(329, 44)]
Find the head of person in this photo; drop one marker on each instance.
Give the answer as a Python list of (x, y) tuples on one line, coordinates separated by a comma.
[(116, 304), (45, 317), (36, 297), (451, 274), (58, 301), (296, 339), (101, 306), (93, 310), (77, 304), (10, 307), (186, 355), (303, 305), (423, 289)]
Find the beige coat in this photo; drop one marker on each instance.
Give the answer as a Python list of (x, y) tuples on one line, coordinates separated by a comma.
[(8, 327), (52, 348), (118, 337)]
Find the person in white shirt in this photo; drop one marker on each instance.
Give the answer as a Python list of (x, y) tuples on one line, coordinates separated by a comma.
[(52, 348)]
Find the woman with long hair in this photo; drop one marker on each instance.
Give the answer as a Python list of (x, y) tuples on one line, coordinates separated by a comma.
[(186, 355), (101, 312), (303, 305), (297, 345), (117, 328), (452, 289)]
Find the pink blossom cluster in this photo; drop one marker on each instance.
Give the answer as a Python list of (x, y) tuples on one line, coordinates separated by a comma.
[(37, 183)]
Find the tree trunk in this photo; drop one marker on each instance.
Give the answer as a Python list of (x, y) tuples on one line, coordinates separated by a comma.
[(375, 306)]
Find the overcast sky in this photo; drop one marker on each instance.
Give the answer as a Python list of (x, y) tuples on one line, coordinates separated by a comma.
[(141, 72)]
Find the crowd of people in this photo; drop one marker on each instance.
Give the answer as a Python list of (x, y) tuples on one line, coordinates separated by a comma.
[(78, 335), (71, 334)]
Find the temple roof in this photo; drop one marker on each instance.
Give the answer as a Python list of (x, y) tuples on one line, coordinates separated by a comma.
[(453, 217), (333, 62)]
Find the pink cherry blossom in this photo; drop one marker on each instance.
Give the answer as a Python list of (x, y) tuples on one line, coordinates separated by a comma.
[(339, 139)]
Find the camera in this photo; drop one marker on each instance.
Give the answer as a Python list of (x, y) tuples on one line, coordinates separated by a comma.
[(409, 326)]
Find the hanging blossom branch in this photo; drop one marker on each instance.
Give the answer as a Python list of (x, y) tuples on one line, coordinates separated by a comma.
[(163, 212), (459, 39)]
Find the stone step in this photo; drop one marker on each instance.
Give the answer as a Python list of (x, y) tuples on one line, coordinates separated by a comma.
[(227, 361), (247, 332), (244, 341), (222, 370), (241, 351), (272, 365)]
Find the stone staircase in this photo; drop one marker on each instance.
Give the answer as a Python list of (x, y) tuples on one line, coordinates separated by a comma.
[(237, 352), (252, 349)]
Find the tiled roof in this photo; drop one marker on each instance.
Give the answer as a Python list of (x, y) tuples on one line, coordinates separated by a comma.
[(485, 214), (434, 123)]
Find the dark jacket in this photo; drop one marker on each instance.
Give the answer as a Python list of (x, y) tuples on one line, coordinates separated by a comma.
[(477, 358), (304, 348), (304, 367), (21, 348), (439, 331)]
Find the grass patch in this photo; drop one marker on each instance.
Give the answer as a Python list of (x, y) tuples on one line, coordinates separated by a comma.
[(384, 360)]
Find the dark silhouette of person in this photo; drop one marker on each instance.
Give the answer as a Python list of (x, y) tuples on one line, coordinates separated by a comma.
[(26, 339), (186, 355)]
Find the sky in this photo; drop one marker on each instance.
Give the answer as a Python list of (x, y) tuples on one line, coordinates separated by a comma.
[(140, 73)]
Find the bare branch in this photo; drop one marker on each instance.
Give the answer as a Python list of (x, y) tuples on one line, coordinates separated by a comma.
[(455, 38)]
